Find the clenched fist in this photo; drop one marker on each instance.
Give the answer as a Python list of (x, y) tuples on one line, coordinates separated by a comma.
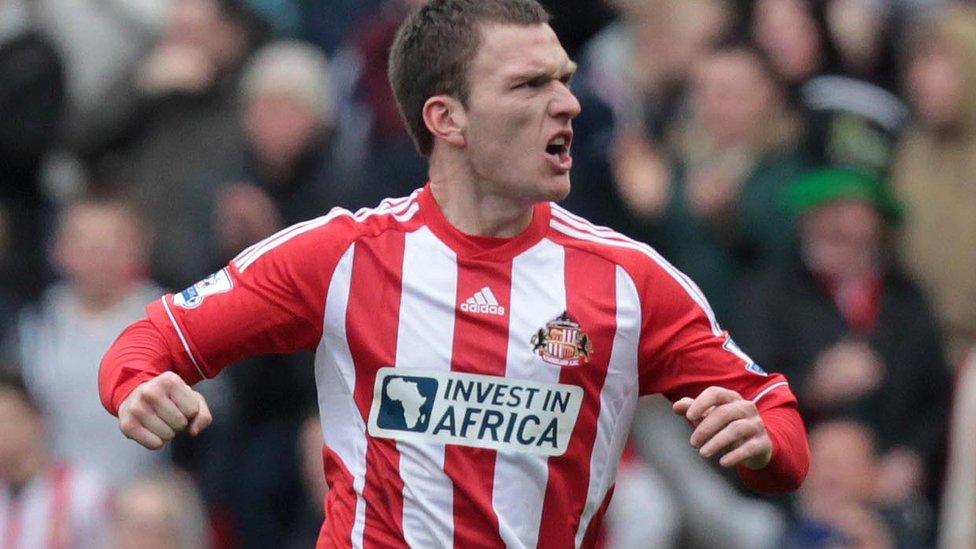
[(161, 407)]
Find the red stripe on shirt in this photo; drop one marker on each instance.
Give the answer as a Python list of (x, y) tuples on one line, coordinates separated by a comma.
[(480, 347), (59, 535), (591, 300), (595, 534), (340, 502), (372, 319)]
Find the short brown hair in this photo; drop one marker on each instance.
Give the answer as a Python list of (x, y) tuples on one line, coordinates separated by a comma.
[(434, 48)]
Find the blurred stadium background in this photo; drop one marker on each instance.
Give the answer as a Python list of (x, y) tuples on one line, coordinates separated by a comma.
[(810, 163)]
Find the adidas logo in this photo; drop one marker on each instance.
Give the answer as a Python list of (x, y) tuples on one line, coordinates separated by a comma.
[(483, 302)]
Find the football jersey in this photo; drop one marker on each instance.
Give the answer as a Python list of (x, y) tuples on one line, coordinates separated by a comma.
[(474, 391)]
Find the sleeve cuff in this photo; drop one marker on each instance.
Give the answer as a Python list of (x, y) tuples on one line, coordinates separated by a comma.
[(788, 467)]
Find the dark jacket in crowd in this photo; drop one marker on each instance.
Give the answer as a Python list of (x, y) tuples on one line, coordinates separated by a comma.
[(32, 100), (788, 319), (319, 181), (171, 154), (718, 255)]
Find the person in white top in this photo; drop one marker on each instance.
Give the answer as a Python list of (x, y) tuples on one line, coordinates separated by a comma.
[(44, 503), (100, 249)]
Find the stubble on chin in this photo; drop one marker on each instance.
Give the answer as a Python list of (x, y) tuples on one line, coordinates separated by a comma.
[(559, 191)]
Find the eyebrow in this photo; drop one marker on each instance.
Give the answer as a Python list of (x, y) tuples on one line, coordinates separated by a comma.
[(569, 69), (566, 71)]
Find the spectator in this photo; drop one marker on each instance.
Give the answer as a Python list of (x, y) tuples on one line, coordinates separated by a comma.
[(32, 99), (100, 249), (836, 506), (639, 65), (717, 212), (863, 34), (291, 171), (642, 514), (809, 38), (852, 123), (957, 527), (169, 134), (100, 41), (391, 165), (633, 76), (697, 497), (837, 58), (794, 35), (852, 333), (935, 167), (43, 502), (159, 511)]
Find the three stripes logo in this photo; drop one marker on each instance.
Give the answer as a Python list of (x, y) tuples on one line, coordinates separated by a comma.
[(483, 302)]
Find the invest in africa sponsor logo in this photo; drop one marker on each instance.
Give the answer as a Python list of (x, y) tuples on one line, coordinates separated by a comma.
[(474, 410)]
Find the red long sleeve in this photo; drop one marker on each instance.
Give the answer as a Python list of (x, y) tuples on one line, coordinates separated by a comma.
[(791, 453), (138, 355), (268, 300)]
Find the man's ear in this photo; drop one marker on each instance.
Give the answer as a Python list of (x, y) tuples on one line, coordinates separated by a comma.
[(446, 119)]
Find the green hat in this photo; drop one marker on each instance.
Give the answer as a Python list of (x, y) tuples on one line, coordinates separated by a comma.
[(821, 186)]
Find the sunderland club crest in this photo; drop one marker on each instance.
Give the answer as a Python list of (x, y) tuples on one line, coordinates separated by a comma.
[(562, 342)]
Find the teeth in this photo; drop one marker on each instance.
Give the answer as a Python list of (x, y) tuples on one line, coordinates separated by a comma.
[(558, 142)]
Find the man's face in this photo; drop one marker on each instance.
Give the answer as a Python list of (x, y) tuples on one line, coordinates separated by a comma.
[(279, 128), (841, 238), (786, 30), (145, 519), (935, 88), (518, 121), (20, 431), (843, 463), (731, 96), (99, 248)]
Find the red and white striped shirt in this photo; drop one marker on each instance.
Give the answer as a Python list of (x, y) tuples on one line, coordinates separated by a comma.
[(62, 507), (474, 392)]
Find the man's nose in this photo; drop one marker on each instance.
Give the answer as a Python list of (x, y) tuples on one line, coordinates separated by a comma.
[(564, 104)]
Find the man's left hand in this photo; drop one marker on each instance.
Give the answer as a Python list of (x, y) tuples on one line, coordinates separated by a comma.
[(724, 422)]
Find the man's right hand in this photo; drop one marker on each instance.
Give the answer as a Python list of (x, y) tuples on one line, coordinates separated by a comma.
[(161, 407)]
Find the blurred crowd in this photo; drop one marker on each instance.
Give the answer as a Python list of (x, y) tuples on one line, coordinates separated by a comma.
[(811, 164)]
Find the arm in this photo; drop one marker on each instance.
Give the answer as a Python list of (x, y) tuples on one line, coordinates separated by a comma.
[(268, 300), (138, 382), (739, 412)]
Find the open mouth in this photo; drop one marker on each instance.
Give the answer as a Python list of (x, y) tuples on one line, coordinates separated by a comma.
[(559, 146), (557, 153)]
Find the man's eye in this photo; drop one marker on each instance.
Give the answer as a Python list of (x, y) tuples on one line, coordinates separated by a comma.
[(534, 83)]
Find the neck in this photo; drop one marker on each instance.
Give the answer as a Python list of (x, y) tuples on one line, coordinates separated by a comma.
[(96, 302), (476, 207)]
